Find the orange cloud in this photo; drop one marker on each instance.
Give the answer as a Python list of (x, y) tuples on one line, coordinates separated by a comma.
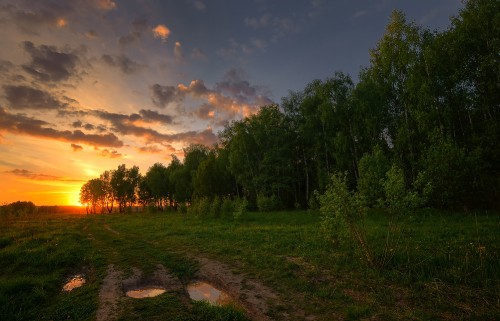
[(105, 4), (39, 177), (161, 31), (61, 22), (108, 153), (76, 147)]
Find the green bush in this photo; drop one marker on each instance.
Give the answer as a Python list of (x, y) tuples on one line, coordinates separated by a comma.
[(215, 207), (19, 208), (267, 203), (200, 207), (227, 207), (240, 208), (445, 169), (372, 169), (343, 214)]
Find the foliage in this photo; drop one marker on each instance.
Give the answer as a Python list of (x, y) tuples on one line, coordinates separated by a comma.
[(240, 208), (19, 208), (215, 207), (343, 216), (445, 168), (200, 207), (372, 170), (267, 203), (398, 199), (124, 183), (427, 103), (227, 208), (93, 196)]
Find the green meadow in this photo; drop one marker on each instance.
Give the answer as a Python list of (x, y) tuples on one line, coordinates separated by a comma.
[(446, 266)]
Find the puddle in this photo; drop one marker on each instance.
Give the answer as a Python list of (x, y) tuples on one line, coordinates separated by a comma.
[(148, 292), (74, 282), (200, 291)]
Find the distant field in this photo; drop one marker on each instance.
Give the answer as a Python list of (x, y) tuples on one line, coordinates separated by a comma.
[(447, 267)]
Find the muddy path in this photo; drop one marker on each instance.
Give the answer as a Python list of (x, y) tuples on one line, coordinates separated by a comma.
[(110, 295), (260, 302), (251, 295)]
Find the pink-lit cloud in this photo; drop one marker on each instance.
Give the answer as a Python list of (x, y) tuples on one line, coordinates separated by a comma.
[(161, 31)]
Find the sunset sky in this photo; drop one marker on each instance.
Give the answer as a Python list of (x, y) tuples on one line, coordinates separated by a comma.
[(86, 85)]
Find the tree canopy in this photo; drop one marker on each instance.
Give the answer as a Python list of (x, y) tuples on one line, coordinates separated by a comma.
[(428, 103)]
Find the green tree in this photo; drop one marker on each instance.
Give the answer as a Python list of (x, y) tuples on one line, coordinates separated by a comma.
[(125, 183), (158, 182), (109, 198), (343, 216), (93, 196), (395, 64), (372, 169)]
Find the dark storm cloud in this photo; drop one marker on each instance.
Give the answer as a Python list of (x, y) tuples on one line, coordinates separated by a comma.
[(5, 66), (80, 124), (116, 118), (39, 177), (89, 127), (76, 148), (164, 95), (234, 85), (151, 115), (22, 124), (205, 111), (122, 62), (24, 97), (231, 97), (91, 34), (130, 38), (48, 63), (30, 20), (139, 25), (128, 125)]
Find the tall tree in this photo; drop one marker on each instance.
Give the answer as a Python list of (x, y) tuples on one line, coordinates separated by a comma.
[(125, 183)]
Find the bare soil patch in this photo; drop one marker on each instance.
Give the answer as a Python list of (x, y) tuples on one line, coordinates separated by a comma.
[(110, 295), (161, 278), (253, 296)]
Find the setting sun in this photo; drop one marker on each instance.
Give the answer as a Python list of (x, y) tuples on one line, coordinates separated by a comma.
[(74, 198)]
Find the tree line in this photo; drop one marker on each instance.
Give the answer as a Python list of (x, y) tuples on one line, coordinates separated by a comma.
[(427, 104)]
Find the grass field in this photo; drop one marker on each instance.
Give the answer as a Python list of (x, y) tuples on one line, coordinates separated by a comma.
[(447, 266)]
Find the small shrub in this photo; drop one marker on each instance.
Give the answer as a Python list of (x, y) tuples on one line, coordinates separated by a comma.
[(227, 207), (313, 202), (343, 216), (267, 203), (372, 170), (215, 207), (199, 207), (240, 208)]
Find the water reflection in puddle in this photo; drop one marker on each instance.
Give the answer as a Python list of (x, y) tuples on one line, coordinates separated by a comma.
[(200, 291), (145, 292), (73, 283)]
